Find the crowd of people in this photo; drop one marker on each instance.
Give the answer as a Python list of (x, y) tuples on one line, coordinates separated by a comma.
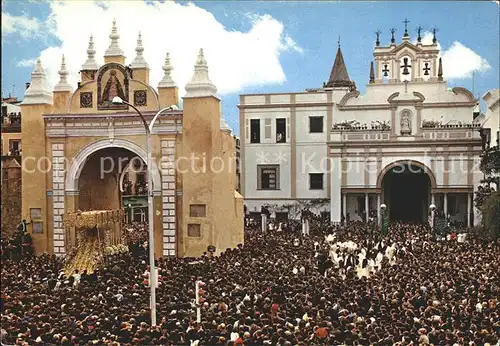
[(278, 288)]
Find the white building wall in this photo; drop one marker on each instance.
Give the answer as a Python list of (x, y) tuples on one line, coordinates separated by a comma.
[(311, 158), (253, 158)]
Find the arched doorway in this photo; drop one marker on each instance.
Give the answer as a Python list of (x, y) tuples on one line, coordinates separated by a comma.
[(406, 190), (100, 178)]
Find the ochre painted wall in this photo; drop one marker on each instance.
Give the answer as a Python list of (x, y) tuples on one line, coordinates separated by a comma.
[(35, 170), (201, 136)]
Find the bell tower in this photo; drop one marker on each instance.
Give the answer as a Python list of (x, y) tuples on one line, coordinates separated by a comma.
[(406, 61)]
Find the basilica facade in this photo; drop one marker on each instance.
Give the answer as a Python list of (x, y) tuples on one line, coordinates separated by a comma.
[(408, 142), (79, 148)]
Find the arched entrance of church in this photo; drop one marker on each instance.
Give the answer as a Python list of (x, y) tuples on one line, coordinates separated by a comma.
[(406, 188), (114, 178)]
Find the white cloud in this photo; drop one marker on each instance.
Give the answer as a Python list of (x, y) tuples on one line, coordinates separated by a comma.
[(26, 62), (459, 61), (24, 26), (235, 59)]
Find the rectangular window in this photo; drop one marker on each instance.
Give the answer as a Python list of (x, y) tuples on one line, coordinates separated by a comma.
[(255, 131), (35, 213), (281, 130), (15, 145), (316, 181), (4, 112), (194, 230), (197, 210), (268, 177), (37, 227), (315, 124)]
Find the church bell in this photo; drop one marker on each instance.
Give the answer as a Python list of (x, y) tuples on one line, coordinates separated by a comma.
[(405, 67), (426, 69)]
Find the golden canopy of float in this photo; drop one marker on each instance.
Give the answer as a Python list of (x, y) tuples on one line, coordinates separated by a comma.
[(90, 234), (93, 218)]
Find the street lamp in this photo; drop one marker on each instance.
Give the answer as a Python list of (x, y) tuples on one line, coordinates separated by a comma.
[(432, 208), (383, 221), (152, 269)]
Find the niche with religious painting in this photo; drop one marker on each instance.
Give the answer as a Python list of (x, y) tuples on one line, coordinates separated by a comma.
[(112, 81)]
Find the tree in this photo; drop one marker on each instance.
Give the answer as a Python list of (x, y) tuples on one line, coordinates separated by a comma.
[(11, 205), (491, 215), (490, 166)]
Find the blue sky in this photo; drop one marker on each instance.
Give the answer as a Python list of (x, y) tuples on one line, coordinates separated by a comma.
[(251, 47)]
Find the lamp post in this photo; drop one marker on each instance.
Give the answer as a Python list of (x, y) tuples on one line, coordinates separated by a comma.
[(383, 221), (152, 269), (432, 208)]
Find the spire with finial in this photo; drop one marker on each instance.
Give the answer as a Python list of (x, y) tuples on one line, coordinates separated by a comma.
[(139, 61), (200, 84), (393, 39), (377, 42), (167, 80), (63, 84), (406, 21), (39, 91), (372, 73), (440, 70), (114, 48), (419, 31), (91, 63), (338, 75), (434, 37)]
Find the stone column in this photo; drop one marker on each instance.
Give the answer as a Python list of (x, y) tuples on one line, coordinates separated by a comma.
[(263, 222), (378, 208), (367, 207), (168, 195), (344, 205), (433, 213), (445, 206), (469, 209)]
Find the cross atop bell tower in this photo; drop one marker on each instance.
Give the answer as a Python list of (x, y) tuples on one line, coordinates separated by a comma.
[(406, 36)]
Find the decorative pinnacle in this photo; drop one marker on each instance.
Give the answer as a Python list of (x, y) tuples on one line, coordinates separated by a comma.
[(38, 67), (90, 64), (114, 49), (139, 59), (434, 38), (392, 30), (419, 30), (167, 80), (200, 84), (63, 84), (91, 49), (139, 47), (378, 32), (200, 61), (63, 71), (114, 31)]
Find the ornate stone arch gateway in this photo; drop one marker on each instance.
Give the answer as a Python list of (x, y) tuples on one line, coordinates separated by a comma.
[(67, 132), (77, 164)]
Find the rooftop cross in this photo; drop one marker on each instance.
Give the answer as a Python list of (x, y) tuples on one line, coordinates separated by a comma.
[(406, 21)]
